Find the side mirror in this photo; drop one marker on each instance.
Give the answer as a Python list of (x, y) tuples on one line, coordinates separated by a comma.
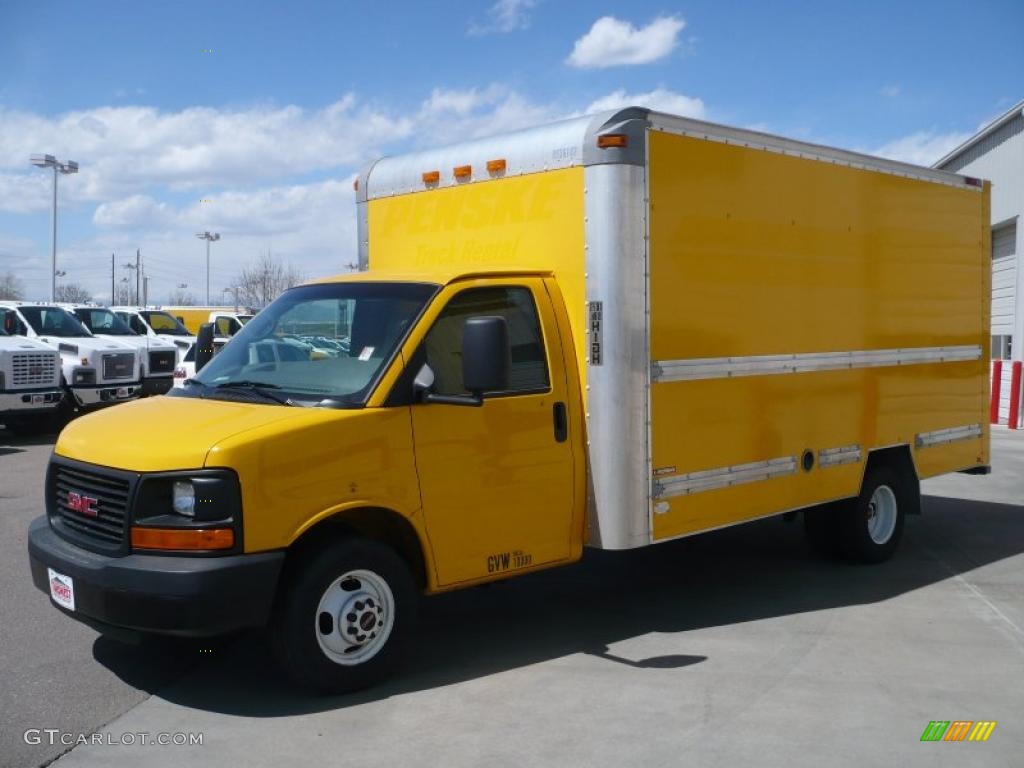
[(486, 361), (486, 355), (204, 345)]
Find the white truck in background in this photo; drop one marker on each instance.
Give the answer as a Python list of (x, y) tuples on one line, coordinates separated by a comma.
[(30, 388), (159, 324), (94, 371), (158, 357)]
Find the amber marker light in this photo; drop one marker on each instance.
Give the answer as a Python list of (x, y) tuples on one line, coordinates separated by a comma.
[(431, 177), (612, 140), (183, 538), (496, 166), (462, 171)]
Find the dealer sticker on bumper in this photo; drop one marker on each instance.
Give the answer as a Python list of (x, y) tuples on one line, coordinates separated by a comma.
[(62, 589)]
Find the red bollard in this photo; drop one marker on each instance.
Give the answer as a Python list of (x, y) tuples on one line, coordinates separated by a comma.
[(1015, 395), (997, 384)]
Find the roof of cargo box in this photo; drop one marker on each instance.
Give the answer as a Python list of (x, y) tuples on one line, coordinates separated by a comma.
[(574, 142)]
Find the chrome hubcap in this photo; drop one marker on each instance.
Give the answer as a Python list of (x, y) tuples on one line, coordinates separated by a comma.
[(881, 514), (355, 617)]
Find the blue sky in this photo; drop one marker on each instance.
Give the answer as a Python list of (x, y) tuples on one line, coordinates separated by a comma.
[(294, 97)]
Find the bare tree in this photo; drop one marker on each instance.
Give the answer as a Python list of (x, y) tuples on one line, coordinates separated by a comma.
[(264, 279), (181, 298), (73, 293), (10, 287)]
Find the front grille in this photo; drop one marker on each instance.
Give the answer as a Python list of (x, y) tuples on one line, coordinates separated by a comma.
[(107, 495), (119, 366), (34, 369), (162, 362)]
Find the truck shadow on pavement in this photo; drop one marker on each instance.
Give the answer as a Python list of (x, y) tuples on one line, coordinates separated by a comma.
[(737, 575)]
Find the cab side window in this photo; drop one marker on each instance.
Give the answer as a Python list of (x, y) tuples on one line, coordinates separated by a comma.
[(443, 344), (136, 324)]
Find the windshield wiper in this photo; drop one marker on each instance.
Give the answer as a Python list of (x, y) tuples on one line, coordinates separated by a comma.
[(259, 387)]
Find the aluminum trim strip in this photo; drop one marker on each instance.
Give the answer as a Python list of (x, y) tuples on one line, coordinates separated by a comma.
[(763, 365), (724, 477), (948, 435), (833, 457)]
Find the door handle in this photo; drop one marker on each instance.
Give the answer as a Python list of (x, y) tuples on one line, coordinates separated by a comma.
[(561, 423)]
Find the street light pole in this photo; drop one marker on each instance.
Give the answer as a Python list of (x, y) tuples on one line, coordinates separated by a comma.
[(209, 237), (49, 161)]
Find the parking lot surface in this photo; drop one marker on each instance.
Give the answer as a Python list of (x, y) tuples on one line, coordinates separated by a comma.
[(738, 647)]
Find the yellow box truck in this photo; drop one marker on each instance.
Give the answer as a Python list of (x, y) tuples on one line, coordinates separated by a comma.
[(611, 331), (227, 320)]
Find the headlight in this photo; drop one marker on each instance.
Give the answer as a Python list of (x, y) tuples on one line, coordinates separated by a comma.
[(184, 498)]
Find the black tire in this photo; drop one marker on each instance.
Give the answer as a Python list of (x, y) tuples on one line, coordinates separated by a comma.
[(297, 619), (35, 425), (856, 519), (821, 525)]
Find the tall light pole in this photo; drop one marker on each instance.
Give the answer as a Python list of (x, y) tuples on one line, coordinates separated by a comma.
[(49, 161), (209, 237)]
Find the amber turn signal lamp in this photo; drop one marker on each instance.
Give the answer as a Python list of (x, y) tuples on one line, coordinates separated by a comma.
[(183, 538), (610, 140)]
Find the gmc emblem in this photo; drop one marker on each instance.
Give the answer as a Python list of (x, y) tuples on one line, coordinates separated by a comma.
[(83, 504)]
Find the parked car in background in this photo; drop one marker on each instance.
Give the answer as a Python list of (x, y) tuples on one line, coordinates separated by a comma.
[(156, 322), (95, 371), (30, 389), (157, 357)]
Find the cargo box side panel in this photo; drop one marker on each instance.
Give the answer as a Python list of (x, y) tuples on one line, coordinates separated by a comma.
[(803, 307), (533, 221)]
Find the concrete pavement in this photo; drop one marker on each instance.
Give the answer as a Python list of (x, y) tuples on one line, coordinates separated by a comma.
[(733, 648)]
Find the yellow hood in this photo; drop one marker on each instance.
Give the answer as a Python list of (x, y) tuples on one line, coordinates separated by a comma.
[(163, 433)]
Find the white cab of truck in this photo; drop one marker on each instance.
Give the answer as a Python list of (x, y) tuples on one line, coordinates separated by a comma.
[(162, 325), (29, 378), (157, 357), (95, 371)]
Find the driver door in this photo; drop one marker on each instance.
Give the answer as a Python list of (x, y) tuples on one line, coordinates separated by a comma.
[(496, 481)]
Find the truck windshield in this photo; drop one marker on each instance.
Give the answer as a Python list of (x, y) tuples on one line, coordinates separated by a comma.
[(162, 322), (103, 321), (53, 321), (316, 344)]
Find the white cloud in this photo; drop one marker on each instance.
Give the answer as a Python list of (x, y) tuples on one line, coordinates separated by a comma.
[(505, 16), (612, 42), (660, 99), (124, 150), (890, 91), (922, 147)]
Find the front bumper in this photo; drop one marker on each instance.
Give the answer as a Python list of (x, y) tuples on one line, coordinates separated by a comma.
[(104, 394), (157, 385), (30, 401), (162, 594)]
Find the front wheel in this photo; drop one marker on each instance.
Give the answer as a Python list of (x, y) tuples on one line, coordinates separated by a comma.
[(872, 524), (342, 618)]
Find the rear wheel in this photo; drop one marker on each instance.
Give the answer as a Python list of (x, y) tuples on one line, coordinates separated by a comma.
[(872, 524), (342, 619)]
